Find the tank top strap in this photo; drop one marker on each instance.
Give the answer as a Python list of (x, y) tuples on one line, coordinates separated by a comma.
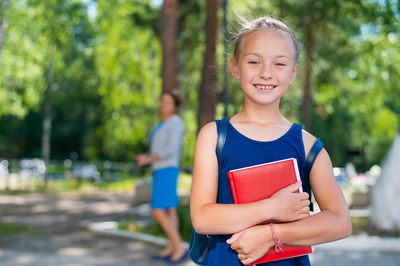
[(297, 127)]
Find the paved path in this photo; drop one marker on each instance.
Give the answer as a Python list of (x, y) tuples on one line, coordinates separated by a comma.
[(61, 237)]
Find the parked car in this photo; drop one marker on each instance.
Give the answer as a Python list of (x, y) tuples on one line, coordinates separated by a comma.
[(340, 175), (86, 172), (32, 168), (3, 169)]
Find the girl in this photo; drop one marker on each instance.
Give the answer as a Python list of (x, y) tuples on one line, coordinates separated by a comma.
[(265, 59), (166, 143)]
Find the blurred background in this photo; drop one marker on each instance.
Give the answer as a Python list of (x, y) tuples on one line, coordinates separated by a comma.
[(80, 82)]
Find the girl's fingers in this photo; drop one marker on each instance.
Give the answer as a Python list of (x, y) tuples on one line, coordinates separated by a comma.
[(305, 203), (233, 238), (306, 209), (304, 196), (293, 187), (242, 257)]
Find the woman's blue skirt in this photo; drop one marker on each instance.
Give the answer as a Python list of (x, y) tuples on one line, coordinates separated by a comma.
[(164, 191)]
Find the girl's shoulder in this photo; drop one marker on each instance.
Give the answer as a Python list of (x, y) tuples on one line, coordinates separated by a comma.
[(206, 141), (209, 130), (308, 140)]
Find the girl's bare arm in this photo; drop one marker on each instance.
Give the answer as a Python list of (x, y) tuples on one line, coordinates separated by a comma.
[(333, 222)]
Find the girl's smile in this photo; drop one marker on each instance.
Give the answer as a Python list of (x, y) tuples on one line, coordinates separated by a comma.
[(264, 87)]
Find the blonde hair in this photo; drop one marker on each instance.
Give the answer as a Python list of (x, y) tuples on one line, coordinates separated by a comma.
[(262, 23)]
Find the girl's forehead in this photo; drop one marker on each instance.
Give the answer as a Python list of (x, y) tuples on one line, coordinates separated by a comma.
[(267, 41)]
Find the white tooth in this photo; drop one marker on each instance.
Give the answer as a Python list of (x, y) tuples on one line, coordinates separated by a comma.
[(262, 87)]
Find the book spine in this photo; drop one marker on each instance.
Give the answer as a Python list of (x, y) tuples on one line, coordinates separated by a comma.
[(233, 188)]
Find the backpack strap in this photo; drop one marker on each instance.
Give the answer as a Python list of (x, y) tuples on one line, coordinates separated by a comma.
[(312, 155), (198, 246), (223, 127)]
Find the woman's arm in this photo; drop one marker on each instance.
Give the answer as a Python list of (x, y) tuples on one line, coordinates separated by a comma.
[(208, 217), (145, 158)]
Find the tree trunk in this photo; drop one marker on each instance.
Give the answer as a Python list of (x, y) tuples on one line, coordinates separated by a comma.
[(226, 39), (3, 26), (169, 29), (385, 212), (46, 127), (207, 92), (306, 115), (281, 7)]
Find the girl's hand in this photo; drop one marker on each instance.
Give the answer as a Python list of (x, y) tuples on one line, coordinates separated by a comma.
[(252, 243), (288, 205)]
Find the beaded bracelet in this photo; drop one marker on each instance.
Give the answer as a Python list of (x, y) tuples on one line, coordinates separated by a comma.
[(278, 243)]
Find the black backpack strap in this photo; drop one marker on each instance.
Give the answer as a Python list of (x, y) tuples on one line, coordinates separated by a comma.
[(223, 127), (312, 155)]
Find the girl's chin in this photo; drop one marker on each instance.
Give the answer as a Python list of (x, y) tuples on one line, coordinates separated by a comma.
[(264, 101)]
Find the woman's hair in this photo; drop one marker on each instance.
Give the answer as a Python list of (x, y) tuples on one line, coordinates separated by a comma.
[(176, 96), (262, 23)]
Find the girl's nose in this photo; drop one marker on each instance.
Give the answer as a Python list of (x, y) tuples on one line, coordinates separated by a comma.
[(266, 72)]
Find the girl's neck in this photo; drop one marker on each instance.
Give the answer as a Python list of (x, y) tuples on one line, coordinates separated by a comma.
[(262, 114)]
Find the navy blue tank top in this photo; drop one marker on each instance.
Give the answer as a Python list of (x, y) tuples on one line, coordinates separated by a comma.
[(240, 151)]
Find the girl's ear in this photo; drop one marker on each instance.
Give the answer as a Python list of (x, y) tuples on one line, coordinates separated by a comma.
[(293, 74), (234, 68)]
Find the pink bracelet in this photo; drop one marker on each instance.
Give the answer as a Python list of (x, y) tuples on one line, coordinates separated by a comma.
[(278, 243)]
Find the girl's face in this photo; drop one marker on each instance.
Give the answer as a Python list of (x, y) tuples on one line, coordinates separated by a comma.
[(167, 105), (266, 65)]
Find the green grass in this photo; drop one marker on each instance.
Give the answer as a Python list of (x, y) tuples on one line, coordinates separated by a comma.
[(10, 228), (74, 185), (183, 210), (123, 184), (361, 227), (155, 229)]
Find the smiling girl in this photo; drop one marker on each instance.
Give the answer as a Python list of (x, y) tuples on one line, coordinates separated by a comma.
[(265, 61)]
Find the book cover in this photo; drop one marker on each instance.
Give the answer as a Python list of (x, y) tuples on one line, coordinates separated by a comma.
[(261, 181)]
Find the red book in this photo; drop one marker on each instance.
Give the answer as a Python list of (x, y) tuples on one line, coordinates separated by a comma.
[(261, 181)]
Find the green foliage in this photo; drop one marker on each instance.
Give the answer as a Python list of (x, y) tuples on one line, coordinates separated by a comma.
[(20, 81), (39, 32), (107, 75), (128, 64)]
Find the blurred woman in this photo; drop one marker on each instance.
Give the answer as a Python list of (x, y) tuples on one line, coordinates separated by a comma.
[(166, 143)]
